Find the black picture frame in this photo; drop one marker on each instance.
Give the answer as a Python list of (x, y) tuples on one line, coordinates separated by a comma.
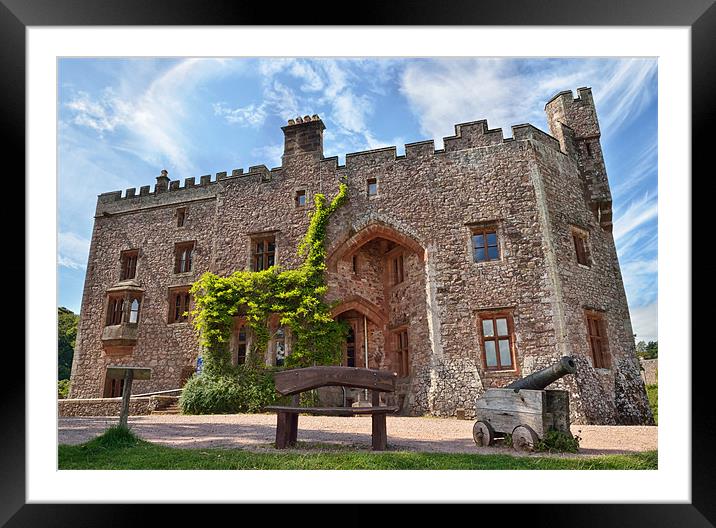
[(699, 15)]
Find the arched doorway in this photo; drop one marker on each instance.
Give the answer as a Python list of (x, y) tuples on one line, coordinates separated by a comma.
[(377, 275)]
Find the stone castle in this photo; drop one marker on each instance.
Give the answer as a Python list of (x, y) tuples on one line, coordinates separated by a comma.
[(460, 269)]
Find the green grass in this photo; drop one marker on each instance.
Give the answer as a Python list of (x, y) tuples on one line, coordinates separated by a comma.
[(652, 392), (121, 449)]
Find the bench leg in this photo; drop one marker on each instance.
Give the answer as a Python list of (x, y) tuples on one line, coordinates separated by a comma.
[(380, 433), (282, 430), (293, 429)]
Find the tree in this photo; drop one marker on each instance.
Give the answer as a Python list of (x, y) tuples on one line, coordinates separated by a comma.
[(641, 348), (652, 350), (647, 350), (66, 336)]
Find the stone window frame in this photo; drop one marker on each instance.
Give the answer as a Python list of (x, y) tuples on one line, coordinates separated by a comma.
[(122, 315), (583, 256), (181, 248), (494, 314), (185, 302), (263, 236), (181, 216), (240, 323), (297, 198), (373, 180), (115, 310), (395, 260), (112, 388), (274, 327), (128, 260), (597, 334), (482, 227), (353, 330), (401, 350)]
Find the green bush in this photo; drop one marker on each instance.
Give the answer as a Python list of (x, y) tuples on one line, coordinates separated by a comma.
[(63, 388), (245, 390), (558, 442)]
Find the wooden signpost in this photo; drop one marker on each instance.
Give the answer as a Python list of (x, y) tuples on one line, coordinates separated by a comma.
[(128, 374)]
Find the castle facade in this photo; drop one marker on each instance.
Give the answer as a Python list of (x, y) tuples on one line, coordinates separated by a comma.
[(460, 269)]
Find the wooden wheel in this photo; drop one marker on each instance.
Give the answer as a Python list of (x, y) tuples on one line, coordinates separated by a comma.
[(524, 438), (483, 434)]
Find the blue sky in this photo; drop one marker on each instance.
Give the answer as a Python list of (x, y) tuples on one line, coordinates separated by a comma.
[(121, 121)]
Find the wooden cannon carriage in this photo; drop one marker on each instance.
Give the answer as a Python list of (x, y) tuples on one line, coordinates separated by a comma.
[(524, 409)]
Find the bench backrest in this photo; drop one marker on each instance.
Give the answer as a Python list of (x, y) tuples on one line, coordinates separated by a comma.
[(303, 379)]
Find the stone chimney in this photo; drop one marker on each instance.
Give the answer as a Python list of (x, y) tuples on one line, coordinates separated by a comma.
[(162, 182), (303, 135)]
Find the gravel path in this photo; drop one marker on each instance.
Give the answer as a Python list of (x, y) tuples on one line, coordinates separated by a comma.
[(257, 431)]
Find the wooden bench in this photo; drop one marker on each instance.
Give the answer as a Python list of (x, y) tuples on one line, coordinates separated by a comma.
[(295, 381)]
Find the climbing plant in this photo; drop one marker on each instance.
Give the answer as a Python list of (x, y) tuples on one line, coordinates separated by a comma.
[(295, 296)]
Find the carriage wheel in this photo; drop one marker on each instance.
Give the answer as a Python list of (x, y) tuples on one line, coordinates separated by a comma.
[(524, 438), (483, 434)]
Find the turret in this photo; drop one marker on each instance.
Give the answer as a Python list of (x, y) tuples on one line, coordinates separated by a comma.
[(573, 122)]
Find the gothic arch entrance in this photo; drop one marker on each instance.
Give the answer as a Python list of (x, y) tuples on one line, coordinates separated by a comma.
[(377, 275)]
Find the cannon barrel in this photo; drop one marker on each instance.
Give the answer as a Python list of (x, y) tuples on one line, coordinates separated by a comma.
[(540, 379)]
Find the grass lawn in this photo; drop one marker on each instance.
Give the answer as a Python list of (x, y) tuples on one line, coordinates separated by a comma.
[(652, 392), (117, 449)]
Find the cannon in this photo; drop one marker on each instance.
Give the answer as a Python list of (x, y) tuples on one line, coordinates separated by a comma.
[(524, 408)]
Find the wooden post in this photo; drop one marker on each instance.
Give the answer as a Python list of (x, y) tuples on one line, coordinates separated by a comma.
[(380, 431), (126, 392), (293, 422), (282, 429)]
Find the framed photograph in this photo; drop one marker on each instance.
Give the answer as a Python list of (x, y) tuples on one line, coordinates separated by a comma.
[(403, 79)]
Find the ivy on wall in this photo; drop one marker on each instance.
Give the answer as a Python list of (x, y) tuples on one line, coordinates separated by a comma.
[(294, 296)]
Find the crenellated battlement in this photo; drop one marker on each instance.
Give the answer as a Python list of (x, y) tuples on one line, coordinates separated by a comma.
[(470, 135), (579, 113), (189, 183)]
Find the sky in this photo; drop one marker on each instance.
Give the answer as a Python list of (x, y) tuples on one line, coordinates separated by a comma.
[(121, 121)]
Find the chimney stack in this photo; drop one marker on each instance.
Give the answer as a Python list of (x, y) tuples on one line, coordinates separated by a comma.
[(303, 135), (162, 182)]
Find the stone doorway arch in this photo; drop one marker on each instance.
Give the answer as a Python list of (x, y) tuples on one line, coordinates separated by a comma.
[(377, 278), (372, 231)]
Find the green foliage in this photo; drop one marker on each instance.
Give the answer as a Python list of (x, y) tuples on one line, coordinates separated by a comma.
[(66, 336), (558, 442), (63, 388), (296, 296), (647, 350), (652, 392), (246, 389), (116, 437)]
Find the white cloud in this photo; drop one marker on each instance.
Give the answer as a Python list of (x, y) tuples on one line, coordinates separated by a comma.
[(73, 250), (269, 155), (621, 93), (644, 321), (446, 92), (282, 100), (153, 118), (350, 111), (636, 215), (643, 166), (251, 115), (312, 82)]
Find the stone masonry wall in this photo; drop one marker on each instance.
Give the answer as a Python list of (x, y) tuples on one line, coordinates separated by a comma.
[(528, 187), (102, 407), (164, 347)]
